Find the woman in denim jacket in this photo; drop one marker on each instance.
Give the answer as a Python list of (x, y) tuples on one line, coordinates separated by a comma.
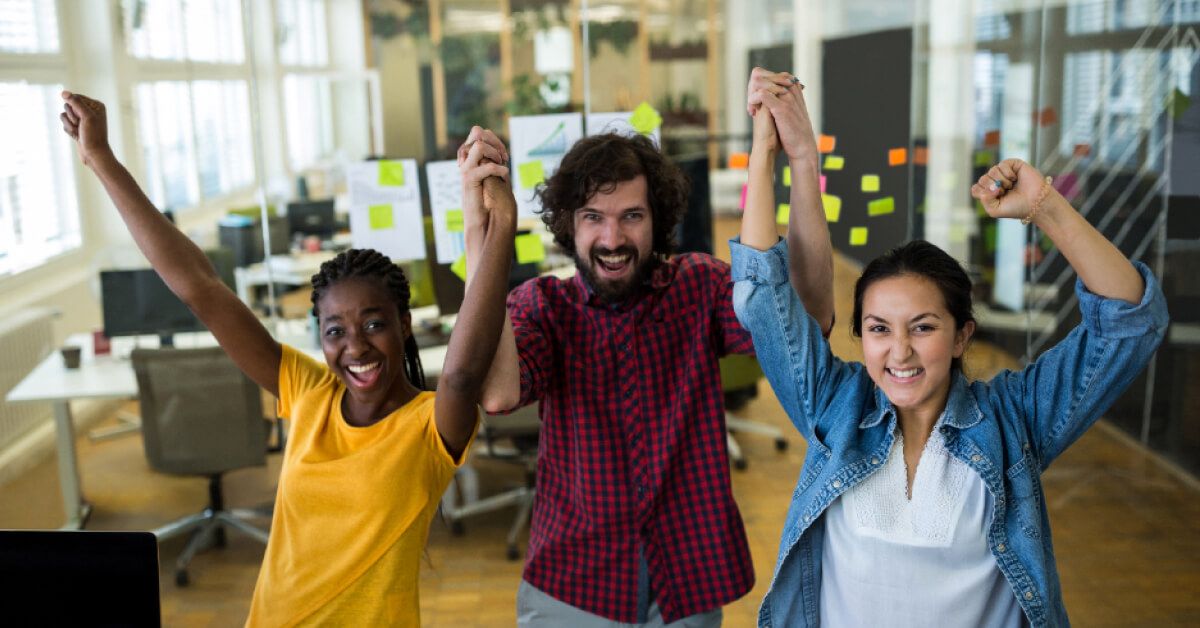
[(920, 501)]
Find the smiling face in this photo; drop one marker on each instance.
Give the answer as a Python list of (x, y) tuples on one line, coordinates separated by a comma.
[(614, 239), (909, 341), (362, 336)]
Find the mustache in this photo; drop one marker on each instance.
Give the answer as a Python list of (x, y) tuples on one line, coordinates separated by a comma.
[(621, 250)]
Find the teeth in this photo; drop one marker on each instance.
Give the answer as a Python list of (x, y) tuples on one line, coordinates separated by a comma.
[(904, 373), (362, 368), (613, 260)]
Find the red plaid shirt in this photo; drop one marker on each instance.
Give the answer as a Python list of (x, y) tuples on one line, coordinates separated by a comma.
[(632, 445)]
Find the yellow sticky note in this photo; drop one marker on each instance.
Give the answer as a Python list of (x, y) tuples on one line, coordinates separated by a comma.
[(529, 248), (782, 212), (984, 158), (391, 173), (833, 207), (881, 206), (787, 176), (645, 119), (454, 220), (531, 174), (870, 183), (380, 217), (858, 236), (459, 267), (834, 162)]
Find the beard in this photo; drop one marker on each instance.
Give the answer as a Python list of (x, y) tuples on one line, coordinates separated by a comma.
[(610, 290)]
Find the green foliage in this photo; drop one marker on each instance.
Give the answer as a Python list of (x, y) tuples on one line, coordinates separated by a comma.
[(619, 35)]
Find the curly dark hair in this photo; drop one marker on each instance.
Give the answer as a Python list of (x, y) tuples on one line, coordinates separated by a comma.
[(372, 263), (597, 164)]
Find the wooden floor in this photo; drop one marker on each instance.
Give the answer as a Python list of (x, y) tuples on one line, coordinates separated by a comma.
[(1125, 529)]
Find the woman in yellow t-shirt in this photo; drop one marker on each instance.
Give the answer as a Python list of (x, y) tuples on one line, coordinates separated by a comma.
[(370, 453)]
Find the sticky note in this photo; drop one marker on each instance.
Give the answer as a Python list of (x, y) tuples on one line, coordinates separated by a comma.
[(825, 143), (921, 156), (984, 158), (391, 173), (739, 161), (989, 238), (1047, 116), (380, 217), (858, 236), (459, 267), (529, 248), (834, 162), (531, 173), (822, 184), (742, 203), (787, 175), (833, 207), (991, 138), (782, 212), (897, 156), (870, 183), (881, 206), (454, 220), (1082, 150), (645, 119), (1180, 102)]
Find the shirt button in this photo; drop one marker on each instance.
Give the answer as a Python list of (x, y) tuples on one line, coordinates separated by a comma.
[(837, 484), (874, 459), (1001, 548), (976, 458), (807, 518), (1029, 595)]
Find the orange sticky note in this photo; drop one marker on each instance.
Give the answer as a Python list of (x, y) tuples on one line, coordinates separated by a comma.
[(739, 161), (921, 156), (1083, 150), (991, 138), (897, 156), (1047, 116), (825, 143)]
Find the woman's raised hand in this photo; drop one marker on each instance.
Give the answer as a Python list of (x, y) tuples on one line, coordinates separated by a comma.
[(1009, 189), (84, 119), (783, 94), (481, 156)]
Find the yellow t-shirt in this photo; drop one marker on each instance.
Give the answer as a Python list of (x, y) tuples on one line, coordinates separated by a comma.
[(353, 508)]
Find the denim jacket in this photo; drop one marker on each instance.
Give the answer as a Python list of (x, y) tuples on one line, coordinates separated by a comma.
[(1007, 430)]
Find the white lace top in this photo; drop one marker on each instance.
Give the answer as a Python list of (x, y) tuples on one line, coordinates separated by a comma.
[(891, 561)]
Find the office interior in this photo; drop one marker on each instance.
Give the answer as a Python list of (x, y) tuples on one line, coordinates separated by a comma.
[(242, 119)]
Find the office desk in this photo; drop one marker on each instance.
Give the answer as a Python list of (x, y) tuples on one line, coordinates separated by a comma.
[(109, 377)]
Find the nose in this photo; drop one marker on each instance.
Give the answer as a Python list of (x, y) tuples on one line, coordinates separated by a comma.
[(611, 236), (902, 347), (356, 344)]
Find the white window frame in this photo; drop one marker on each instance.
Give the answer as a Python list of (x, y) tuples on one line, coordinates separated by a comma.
[(325, 71)]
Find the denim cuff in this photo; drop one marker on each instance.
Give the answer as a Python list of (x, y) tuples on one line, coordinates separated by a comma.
[(1114, 318), (762, 267)]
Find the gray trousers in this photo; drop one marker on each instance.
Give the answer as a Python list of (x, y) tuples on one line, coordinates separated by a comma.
[(537, 609)]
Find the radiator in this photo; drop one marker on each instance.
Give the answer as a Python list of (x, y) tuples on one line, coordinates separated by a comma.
[(25, 339)]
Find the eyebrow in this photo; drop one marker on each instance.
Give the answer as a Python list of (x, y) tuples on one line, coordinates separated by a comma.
[(635, 208), (338, 317), (912, 320)]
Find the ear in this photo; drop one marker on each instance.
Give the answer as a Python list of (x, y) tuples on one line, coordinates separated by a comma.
[(406, 324), (963, 338)]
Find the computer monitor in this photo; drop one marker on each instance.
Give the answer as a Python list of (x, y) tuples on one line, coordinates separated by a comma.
[(79, 578), (312, 218), (137, 302)]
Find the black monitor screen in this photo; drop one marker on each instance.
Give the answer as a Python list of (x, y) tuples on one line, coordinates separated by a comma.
[(312, 218), (137, 302), (78, 578)]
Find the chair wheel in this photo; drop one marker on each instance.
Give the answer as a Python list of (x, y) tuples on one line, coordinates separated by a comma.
[(740, 465), (181, 578), (512, 553), (457, 528), (781, 444)]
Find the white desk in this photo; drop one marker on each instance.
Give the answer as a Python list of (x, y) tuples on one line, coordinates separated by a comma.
[(109, 377)]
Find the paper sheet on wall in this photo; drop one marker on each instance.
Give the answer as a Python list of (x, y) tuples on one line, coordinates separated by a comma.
[(385, 208), (539, 142), (618, 122), (445, 204)]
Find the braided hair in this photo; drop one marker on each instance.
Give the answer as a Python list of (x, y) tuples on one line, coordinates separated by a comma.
[(372, 263)]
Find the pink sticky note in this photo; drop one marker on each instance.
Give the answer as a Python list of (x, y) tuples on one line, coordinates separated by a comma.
[(822, 184), (742, 205), (1067, 185)]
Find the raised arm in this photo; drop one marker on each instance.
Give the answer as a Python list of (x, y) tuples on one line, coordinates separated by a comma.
[(482, 316), (1015, 189), (810, 254), (479, 157), (181, 264)]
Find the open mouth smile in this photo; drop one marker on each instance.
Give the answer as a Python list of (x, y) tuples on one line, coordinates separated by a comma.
[(363, 375)]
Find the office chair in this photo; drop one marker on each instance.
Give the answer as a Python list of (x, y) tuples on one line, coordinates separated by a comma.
[(511, 438), (200, 416), (739, 381)]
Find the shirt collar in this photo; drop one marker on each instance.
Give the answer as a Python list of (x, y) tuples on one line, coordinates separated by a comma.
[(962, 410)]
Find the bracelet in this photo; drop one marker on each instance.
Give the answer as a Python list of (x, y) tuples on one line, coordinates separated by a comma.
[(1037, 205)]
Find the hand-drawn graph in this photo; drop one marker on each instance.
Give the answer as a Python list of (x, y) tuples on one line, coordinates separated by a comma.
[(538, 144)]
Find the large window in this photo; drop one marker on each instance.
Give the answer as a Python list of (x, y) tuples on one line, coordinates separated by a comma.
[(303, 35), (193, 120), (39, 209)]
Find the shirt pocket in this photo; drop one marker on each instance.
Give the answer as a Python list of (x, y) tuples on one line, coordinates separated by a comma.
[(1024, 487)]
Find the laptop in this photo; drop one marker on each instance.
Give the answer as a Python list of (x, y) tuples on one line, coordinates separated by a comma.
[(79, 578)]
